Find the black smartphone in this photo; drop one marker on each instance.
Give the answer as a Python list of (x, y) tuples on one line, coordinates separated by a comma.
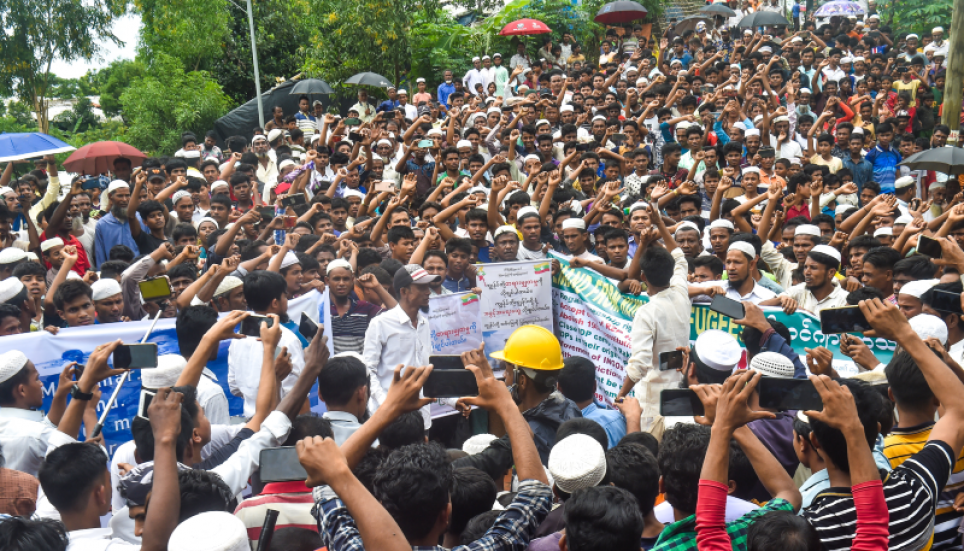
[(946, 301), (267, 213), (671, 360), (446, 361), (450, 383), (280, 465), (679, 402), (146, 397), (728, 307), (135, 356), (156, 288), (847, 319), (389, 115), (307, 327), (91, 183), (355, 137), (251, 325), (789, 394), (293, 200), (929, 246)]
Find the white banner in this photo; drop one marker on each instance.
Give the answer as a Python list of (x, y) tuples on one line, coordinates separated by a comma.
[(514, 294), (454, 323)]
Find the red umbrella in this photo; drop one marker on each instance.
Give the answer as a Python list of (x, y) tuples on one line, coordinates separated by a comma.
[(98, 158), (524, 27)]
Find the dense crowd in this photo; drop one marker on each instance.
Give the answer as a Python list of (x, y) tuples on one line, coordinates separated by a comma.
[(758, 164)]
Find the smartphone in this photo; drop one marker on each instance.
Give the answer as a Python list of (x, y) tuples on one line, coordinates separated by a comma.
[(146, 397), (446, 361), (929, 246), (789, 394), (945, 301), (251, 325), (290, 221), (90, 183), (671, 360), (135, 356), (384, 185), (355, 137), (679, 402), (618, 138), (450, 383), (280, 465), (352, 121), (728, 307), (426, 143), (267, 213), (846, 319), (293, 200), (389, 115), (308, 328), (156, 288)]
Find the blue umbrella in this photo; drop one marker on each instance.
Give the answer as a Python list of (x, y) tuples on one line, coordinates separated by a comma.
[(14, 147), (839, 7)]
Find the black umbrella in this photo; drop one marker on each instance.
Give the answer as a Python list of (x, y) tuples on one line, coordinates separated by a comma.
[(763, 19), (689, 23), (311, 86), (718, 9), (622, 11), (947, 159), (369, 79)]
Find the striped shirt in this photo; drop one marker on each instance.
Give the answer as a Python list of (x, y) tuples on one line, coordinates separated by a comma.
[(292, 500), (901, 444), (911, 491), (348, 331)]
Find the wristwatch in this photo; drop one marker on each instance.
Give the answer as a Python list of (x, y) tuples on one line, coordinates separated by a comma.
[(76, 394)]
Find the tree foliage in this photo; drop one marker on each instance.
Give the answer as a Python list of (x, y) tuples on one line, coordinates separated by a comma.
[(915, 16), (113, 80), (190, 31)]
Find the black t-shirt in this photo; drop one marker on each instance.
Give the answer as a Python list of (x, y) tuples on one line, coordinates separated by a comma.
[(147, 243)]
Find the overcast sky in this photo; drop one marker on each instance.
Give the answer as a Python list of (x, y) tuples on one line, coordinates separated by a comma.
[(126, 29)]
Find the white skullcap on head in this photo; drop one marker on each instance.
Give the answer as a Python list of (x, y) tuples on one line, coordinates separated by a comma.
[(905, 181), (751, 169), (857, 130), (491, 110), (840, 209), (540, 122), (807, 229), (181, 194), (781, 118), (478, 189), (116, 185), (434, 132), (5, 190), (219, 183), (883, 231), (476, 58), (904, 219), (353, 193), (526, 210), (795, 161), (642, 81), (684, 125), (772, 364), (718, 350), (463, 143), (384, 142), (912, 35), (33, 256), (687, 225), (290, 259), (105, 288), (11, 363), (210, 531), (576, 462), (504, 229), (938, 185), (917, 287), (752, 132), (766, 49), (573, 222), (927, 325), (286, 163), (274, 134), (169, 368), (598, 118), (676, 61), (73, 275), (478, 443), (859, 58), (564, 109), (937, 29), (207, 219), (735, 66), (827, 250), (403, 91), (339, 263), (806, 91), (721, 223), (228, 284), (796, 39), (532, 157), (740, 126), (638, 205), (11, 255), (846, 60), (743, 247), (51, 243)]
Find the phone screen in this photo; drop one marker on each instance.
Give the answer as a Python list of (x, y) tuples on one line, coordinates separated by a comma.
[(135, 356), (789, 394), (946, 301), (355, 136), (450, 383), (292, 200), (929, 247), (154, 289), (848, 319), (446, 361), (728, 307), (671, 360), (426, 143), (281, 465), (251, 325), (267, 213), (389, 115), (352, 121), (384, 185), (679, 402), (308, 328), (146, 397)]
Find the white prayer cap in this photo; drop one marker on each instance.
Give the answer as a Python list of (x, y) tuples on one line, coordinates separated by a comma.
[(676, 61), (751, 169), (757, 119), (434, 132), (735, 66), (532, 157), (846, 60), (904, 219), (12, 362), (740, 126), (642, 81), (937, 30), (599, 117), (806, 91), (403, 91), (259, 138), (796, 39), (384, 142), (721, 223), (905, 181), (207, 219), (857, 130), (228, 284), (807, 229), (478, 189), (795, 161), (912, 35), (11, 255), (883, 231), (684, 125), (339, 263), (105, 288), (527, 210), (573, 222), (51, 243), (504, 229), (219, 183), (419, 79), (718, 350), (5, 190), (938, 185), (353, 193), (565, 109), (858, 59), (927, 325), (496, 110), (116, 185), (463, 143), (476, 58), (189, 154), (478, 443), (275, 134), (781, 118), (841, 209), (638, 205), (874, 16), (827, 250), (632, 68), (772, 364), (169, 368), (210, 531), (918, 287), (497, 54), (743, 247), (577, 462), (73, 275), (687, 225), (286, 163), (486, 57), (10, 288), (766, 49), (33, 256), (181, 194), (290, 259)]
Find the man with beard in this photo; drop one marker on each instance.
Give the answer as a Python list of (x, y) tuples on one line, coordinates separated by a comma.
[(85, 204), (108, 301), (267, 169), (818, 292), (114, 227), (350, 317), (64, 220), (741, 259)]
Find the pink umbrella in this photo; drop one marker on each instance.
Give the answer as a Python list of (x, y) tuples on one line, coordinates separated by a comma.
[(98, 158), (525, 27)]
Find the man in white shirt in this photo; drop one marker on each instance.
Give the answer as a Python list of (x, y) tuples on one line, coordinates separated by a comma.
[(740, 286), (805, 237), (474, 76), (400, 336), (411, 112), (576, 238), (488, 72), (818, 291)]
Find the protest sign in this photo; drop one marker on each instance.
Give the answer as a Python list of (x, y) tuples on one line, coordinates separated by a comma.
[(454, 323), (513, 294)]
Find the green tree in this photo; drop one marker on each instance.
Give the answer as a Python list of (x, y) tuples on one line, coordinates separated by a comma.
[(113, 80), (190, 31), (80, 118), (168, 101), (37, 32), (916, 16), (20, 112)]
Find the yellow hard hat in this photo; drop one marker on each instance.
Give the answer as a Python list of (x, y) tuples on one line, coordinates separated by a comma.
[(532, 346)]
